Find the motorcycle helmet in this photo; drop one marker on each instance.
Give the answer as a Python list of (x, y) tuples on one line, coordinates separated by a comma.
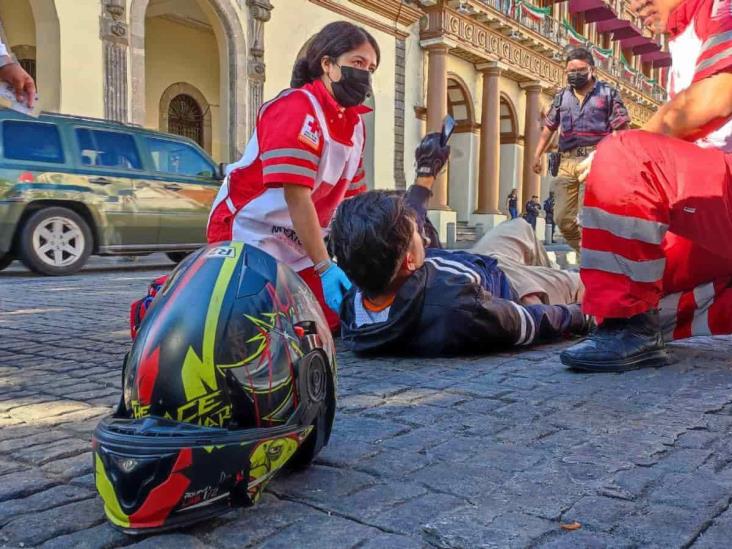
[(231, 377)]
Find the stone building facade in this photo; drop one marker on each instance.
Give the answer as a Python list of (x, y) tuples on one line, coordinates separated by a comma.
[(201, 68)]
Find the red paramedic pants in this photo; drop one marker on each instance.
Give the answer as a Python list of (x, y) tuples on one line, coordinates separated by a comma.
[(657, 221)]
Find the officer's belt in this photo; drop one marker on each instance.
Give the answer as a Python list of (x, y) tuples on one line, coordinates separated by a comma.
[(579, 152)]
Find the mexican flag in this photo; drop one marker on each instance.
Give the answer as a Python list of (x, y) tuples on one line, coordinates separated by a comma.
[(533, 12), (648, 84), (629, 72), (575, 38), (602, 54)]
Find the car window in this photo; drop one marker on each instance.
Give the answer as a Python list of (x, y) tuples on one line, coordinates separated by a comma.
[(174, 157), (32, 141), (107, 149)]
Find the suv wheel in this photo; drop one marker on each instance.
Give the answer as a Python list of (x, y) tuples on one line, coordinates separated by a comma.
[(55, 241), (6, 260), (177, 257)]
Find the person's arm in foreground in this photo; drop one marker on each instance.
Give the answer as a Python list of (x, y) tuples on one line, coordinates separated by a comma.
[(705, 103), (21, 82), (305, 221)]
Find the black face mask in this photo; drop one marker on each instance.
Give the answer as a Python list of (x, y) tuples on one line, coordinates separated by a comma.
[(353, 88), (578, 80)]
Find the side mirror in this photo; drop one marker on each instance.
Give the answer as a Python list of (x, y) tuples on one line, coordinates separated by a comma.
[(221, 171)]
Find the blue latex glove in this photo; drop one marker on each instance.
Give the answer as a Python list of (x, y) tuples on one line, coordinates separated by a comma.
[(335, 285)]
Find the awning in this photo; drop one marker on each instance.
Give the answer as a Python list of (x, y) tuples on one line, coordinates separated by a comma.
[(579, 6), (599, 14), (648, 47), (612, 25)]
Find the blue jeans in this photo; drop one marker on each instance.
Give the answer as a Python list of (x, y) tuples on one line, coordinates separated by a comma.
[(513, 212)]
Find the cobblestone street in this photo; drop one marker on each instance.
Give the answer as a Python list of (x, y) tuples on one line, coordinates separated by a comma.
[(496, 451)]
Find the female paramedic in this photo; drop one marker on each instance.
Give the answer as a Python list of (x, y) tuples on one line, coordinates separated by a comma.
[(303, 160)]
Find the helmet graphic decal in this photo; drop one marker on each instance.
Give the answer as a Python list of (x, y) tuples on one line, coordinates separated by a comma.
[(199, 374)]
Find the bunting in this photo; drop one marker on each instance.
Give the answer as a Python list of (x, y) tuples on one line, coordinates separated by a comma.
[(532, 12), (629, 73), (575, 38), (603, 55)]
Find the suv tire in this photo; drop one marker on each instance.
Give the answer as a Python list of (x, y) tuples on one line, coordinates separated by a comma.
[(6, 260), (177, 257), (55, 241)]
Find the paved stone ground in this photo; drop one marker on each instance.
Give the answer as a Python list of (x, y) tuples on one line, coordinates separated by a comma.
[(478, 452)]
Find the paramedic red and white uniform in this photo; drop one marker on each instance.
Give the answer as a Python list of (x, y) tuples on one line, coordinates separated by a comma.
[(665, 227), (303, 137)]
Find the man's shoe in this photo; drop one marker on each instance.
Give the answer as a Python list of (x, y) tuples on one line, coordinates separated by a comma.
[(619, 345)]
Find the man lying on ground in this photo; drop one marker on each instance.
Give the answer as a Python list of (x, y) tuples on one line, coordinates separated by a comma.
[(409, 298)]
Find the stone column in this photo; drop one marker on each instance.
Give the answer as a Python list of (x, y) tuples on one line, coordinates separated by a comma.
[(490, 142), (259, 14), (532, 130), (115, 37), (436, 111)]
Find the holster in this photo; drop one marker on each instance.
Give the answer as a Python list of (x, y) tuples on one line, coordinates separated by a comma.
[(554, 160)]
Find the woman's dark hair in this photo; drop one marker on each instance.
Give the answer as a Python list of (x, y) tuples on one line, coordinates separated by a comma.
[(583, 54), (333, 40), (369, 236)]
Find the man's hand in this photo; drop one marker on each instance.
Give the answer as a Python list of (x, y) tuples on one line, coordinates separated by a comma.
[(584, 167), (20, 81), (537, 165), (431, 155), (335, 285)]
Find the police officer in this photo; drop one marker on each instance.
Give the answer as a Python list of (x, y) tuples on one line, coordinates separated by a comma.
[(549, 212), (585, 112), (531, 211)]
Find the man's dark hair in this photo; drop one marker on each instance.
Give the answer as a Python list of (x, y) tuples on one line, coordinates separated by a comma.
[(583, 54), (332, 41), (369, 236)]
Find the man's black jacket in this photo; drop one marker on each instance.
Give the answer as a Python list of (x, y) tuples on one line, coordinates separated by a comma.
[(438, 312)]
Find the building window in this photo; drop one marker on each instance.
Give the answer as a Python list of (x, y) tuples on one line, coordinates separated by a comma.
[(578, 22), (185, 118), (460, 104), (508, 123), (26, 56)]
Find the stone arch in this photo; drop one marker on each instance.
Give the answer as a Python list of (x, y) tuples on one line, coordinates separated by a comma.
[(460, 103), (232, 53), (183, 88), (509, 121)]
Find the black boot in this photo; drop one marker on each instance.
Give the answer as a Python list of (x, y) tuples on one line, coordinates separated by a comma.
[(620, 344)]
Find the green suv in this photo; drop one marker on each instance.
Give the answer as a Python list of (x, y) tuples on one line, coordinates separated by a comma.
[(72, 186)]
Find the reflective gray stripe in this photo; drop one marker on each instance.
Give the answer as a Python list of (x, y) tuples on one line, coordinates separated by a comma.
[(668, 311), (638, 271), (712, 60), (289, 169), (716, 40), (704, 297), (632, 228), (291, 153)]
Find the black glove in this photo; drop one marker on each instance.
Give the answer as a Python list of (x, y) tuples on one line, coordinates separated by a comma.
[(431, 155), (581, 324)]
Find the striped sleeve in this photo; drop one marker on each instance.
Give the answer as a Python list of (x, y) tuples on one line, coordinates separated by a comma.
[(358, 183), (715, 30), (290, 143)]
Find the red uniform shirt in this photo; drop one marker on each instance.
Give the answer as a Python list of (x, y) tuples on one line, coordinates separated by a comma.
[(290, 147)]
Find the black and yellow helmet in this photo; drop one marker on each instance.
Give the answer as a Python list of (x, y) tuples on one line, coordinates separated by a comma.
[(231, 376)]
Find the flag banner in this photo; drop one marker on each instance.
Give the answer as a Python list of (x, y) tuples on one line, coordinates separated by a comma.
[(533, 12), (602, 54), (575, 38)]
